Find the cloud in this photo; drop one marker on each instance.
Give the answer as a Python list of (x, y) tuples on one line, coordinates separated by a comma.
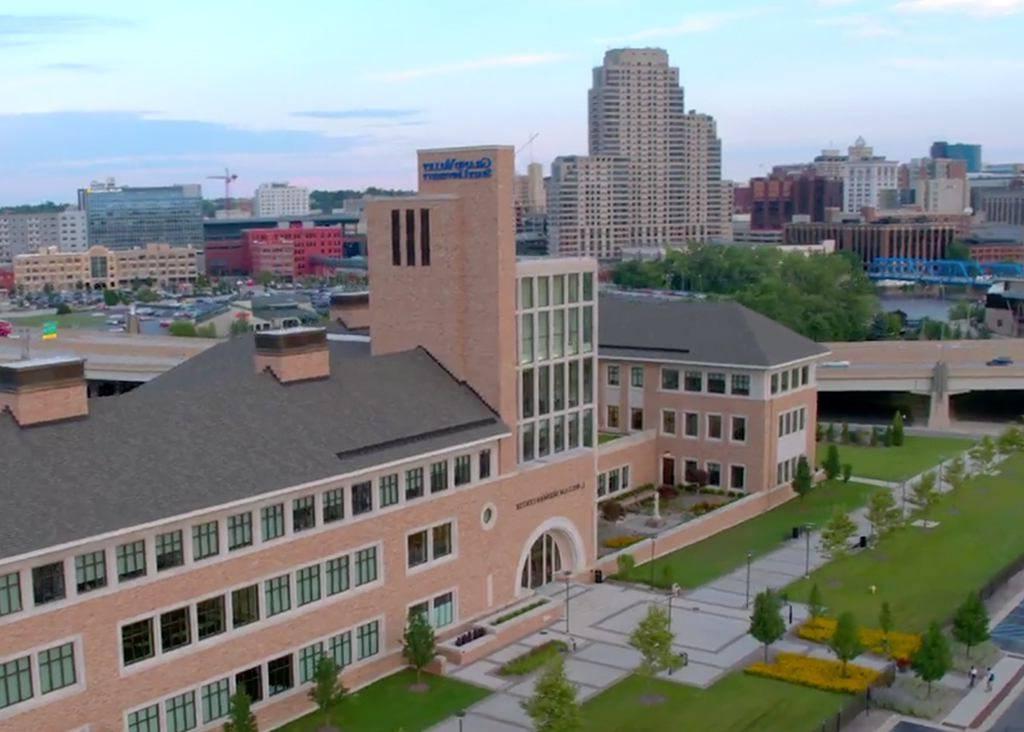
[(493, 62), (917, 63), (22, 29), (693, 23), (359, 113), (860, 25), (981, 8), (71, 66)]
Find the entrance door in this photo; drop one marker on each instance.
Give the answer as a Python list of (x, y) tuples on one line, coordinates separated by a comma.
[(543, 563), (668, 470)]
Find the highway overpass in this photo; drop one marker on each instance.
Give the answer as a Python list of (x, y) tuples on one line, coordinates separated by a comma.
[(936, 369)]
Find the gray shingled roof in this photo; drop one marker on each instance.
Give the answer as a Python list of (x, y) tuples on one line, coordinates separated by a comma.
[(695, 331), (212, 430)]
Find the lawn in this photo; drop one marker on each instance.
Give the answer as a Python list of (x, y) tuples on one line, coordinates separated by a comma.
[(606, 437), (916, 455), (720, 554), (71, 320), (388, 705), (734, 704), (925, 573)]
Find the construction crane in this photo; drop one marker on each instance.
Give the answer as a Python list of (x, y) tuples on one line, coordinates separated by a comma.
[(528, 144), (228, 178)]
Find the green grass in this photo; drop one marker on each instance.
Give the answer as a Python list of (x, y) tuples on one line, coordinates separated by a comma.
[(925, 573), (917, 454), (388, 705), (533, 659), (720, 554), (605, 437), (737, 703), (71, 320)]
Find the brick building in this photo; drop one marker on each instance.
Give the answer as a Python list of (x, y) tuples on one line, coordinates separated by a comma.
[(878, 238), (295, 251), (777, 199)]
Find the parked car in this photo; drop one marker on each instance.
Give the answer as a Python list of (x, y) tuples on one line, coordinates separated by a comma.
[(1000, 361)]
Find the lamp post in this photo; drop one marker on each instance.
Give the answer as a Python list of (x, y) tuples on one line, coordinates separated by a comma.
[(807, 550), (567, 575), (461, 714), (653, 539), (672, 593), (903, 500), (750, 556)]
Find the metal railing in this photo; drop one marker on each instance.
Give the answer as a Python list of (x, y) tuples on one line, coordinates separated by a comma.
[(858, 704)]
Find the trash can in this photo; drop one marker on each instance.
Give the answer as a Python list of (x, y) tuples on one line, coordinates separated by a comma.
[(598, 576), (863, 544), (796, 532)]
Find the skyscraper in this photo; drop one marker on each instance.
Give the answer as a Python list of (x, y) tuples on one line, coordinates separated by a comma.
[(866, 177), (970, 154), (589, 207), (123, 217)]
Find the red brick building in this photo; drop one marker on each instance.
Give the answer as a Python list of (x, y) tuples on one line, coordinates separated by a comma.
[(7, 278), (776, 200), (293, 252)]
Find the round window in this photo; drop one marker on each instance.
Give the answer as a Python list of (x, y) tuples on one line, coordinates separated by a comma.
[(488, 515)]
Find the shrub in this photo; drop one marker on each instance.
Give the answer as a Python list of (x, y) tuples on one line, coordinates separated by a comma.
[(63, 309), (847, 472), (817, 673), (516, 613), (533, 659), (830, 432), (873, 440), (901, 645), (844, 433), (699, 509), (668, 492), (612, 510), (621, 542), (626, 564)]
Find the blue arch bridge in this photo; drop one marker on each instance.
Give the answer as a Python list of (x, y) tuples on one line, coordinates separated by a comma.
[(941, 271)]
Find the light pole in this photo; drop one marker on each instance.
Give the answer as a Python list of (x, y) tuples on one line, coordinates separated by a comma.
[(807, 551), (461, 714), (750, 555), (568, 577), (672, 593), (903, 500), (653, 539)]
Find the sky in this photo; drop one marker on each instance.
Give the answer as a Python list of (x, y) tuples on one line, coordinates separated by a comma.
[(340, 94)]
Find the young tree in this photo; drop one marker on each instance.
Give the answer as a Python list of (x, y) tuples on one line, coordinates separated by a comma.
[(983, 454), (847, 472), (933, 659), (111, 298), (956, 473), (819, 432), (240, 326), (240, 716), (553, 706), (830, 433), (970, 624), (653, 638), (766, 624), (845, 642), (844, 433), (873, 440), (883, 513), (1010, 441), (815, 605), (836, 534), (418, 644), (803, 481), (327, 690), (885, 623), (897, 430), (264, 278), (887, 436), (831, 464), (925, 492)]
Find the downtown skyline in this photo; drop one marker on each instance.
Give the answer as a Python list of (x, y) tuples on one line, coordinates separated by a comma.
[(150, 96)]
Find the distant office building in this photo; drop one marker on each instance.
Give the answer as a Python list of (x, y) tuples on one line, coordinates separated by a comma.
[(7, 278), (1001, 205), (280, 199), (935, 185), (866, 177), (530, 194), (295, 251), (707, 202), (531, 206), (123, 217), (26, 233), (589, 206), (830, 164), (776, 200), (969, 154), (104, 268), (883, 237)]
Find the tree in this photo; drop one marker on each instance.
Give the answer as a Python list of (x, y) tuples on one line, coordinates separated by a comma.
[(970, 623), (240, 326), (958, 250), (1010, 441), (983, 454), (933, 659), (887, 436), (956, 473), (183, 328), (925, 492), (883, 513), (830, 432), (831, 465), (885, 623), (766, 624), (553, 706), (418, 644), (897, 430), (264, 278), (847, 472), (653, 638), (111, 298), (145, 294), (844, 433), (815, 605), (63, 309), (873, 440), (240, 716), (327, 690), (803, 481), (836, 534), (845, 642)]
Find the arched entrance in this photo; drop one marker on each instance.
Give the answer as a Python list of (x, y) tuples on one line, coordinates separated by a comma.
[(542, 563), (554, 546)]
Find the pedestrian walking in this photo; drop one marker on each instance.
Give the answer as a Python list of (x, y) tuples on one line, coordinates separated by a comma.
[(790, 613), (991, 679), (974, 677)]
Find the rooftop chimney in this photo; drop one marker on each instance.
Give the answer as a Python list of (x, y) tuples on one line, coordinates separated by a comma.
[(41, 390), (293, 354)]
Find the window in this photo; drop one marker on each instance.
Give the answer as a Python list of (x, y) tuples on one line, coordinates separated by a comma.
[(737, 477), (56, 668), (573, 391), (602, 484), (775, 384), (714, 426), (410, 237), (362, 498), (557, 333), (785, 381), (636, 418), (278, 595), (668, 422), (48, 583), (716, 383), (613, 375), (613, 481), (574, 430), (334, 505), (309, 657), (387, 485), (542, 292), (145, 720), (625, 477), (588, 427), (574, 287), (280, 676), (741, 384), (613, 417), (558, 287), (588, 286), (636, 376), (527, 434), (670, 379), (137, 641), (543, 390), (526, 339), (413, 484), (205, 540), (739, 429), (588, 381), (439, 476), (526, 293), (175, 631), (485, 464), (272, 521), (572, 345), (444, 610), (211, 617), (542, 336), (425, 236), (559, 386), (588, 328), (693, 381), (10, 593), (251, 682), (368, 639), (216, 700), (463, 469), (181, 712), (337, 575), (245, 606), (90, 571), (527, 392), (303, 513), (442, 540), (307, 585), (714, 474), (805, 375), (340, 648), (170, 550), (366, 565), (396, 238), (15, 681), (239, 531), (795, 379), (416, 545)]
